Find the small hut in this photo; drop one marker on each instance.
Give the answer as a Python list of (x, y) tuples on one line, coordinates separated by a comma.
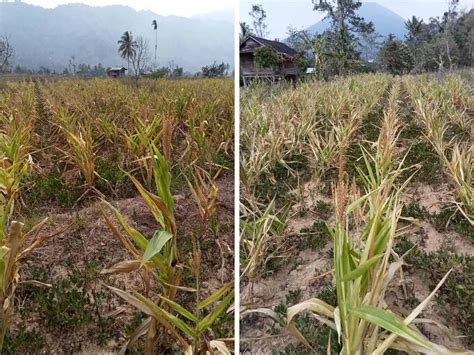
[(116, 72), (288, 69)]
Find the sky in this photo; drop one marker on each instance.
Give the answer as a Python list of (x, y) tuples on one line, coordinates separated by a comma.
[(300, 14), (186, 8)]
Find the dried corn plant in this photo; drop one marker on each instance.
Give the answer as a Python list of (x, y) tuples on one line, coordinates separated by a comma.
[(439, 106), (106, 121), (157, 258), (287, 122), (259, 231), (15, 244), (364, 267)]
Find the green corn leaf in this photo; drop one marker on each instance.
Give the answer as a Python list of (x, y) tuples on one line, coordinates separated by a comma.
[(215, 296), (180, 309), (147, 306), (160, 238), (162, 177), (160, 312), (209, 320), (389, 321), (140, 240), (154, 209), (361, 269)]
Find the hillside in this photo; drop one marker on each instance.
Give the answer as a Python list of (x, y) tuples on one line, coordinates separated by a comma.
[(49, 37), (385, 21)]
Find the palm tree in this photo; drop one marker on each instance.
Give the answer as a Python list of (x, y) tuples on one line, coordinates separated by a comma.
[(414, 27), (126, 47), (155, 26)]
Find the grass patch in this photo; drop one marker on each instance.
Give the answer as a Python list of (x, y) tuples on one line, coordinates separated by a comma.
[(371, 126), (24, 342), (314, 237), (414, 210), (422, 155), (285, 178), (355, 160), (51, 188), (72, 303), (317, 334), (447, 217), (411, 131), (455, 296), (116, 179), (323, 210), (457, 133)]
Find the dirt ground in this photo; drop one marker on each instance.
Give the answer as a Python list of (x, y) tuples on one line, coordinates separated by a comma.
[(87, 247), (308, 271)]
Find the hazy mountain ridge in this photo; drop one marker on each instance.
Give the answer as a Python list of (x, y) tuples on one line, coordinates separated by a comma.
[(49, 37)]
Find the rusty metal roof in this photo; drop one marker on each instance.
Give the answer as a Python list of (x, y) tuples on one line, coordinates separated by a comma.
[(277, 46)]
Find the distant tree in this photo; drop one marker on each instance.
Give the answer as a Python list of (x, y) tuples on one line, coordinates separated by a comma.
[(72, 65), (463, 32), (44, 70), (344, 23), (98, 70), (139, 56), (215, 70), (414, 26), (369, 45), (439, 43), (259, 16), (155, 27), (84, 69), (126, 47), (395, 56), (245, 31), (177, 72), (161, 72), (316, 44), (449, 19), (21, 70), (6, 53)]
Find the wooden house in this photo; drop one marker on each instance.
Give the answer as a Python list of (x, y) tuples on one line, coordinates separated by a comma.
[(116, 72), (288, 69)]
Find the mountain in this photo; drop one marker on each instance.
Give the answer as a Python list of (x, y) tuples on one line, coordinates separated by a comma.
[(50, 37), (385, 21)]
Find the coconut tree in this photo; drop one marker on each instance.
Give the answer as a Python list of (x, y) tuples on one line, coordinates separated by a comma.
[(155, 27), (126, 47), (414, 27)]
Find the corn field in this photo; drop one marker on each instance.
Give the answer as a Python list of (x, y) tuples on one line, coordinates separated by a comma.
[(357, 228), (117, 230)]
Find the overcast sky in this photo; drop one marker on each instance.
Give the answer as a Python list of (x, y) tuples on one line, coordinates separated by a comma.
[(300, 14), (405, 8), (164, 7)]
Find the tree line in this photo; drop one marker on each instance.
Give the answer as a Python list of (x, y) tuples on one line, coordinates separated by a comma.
[(135, 50), (351, 43)]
